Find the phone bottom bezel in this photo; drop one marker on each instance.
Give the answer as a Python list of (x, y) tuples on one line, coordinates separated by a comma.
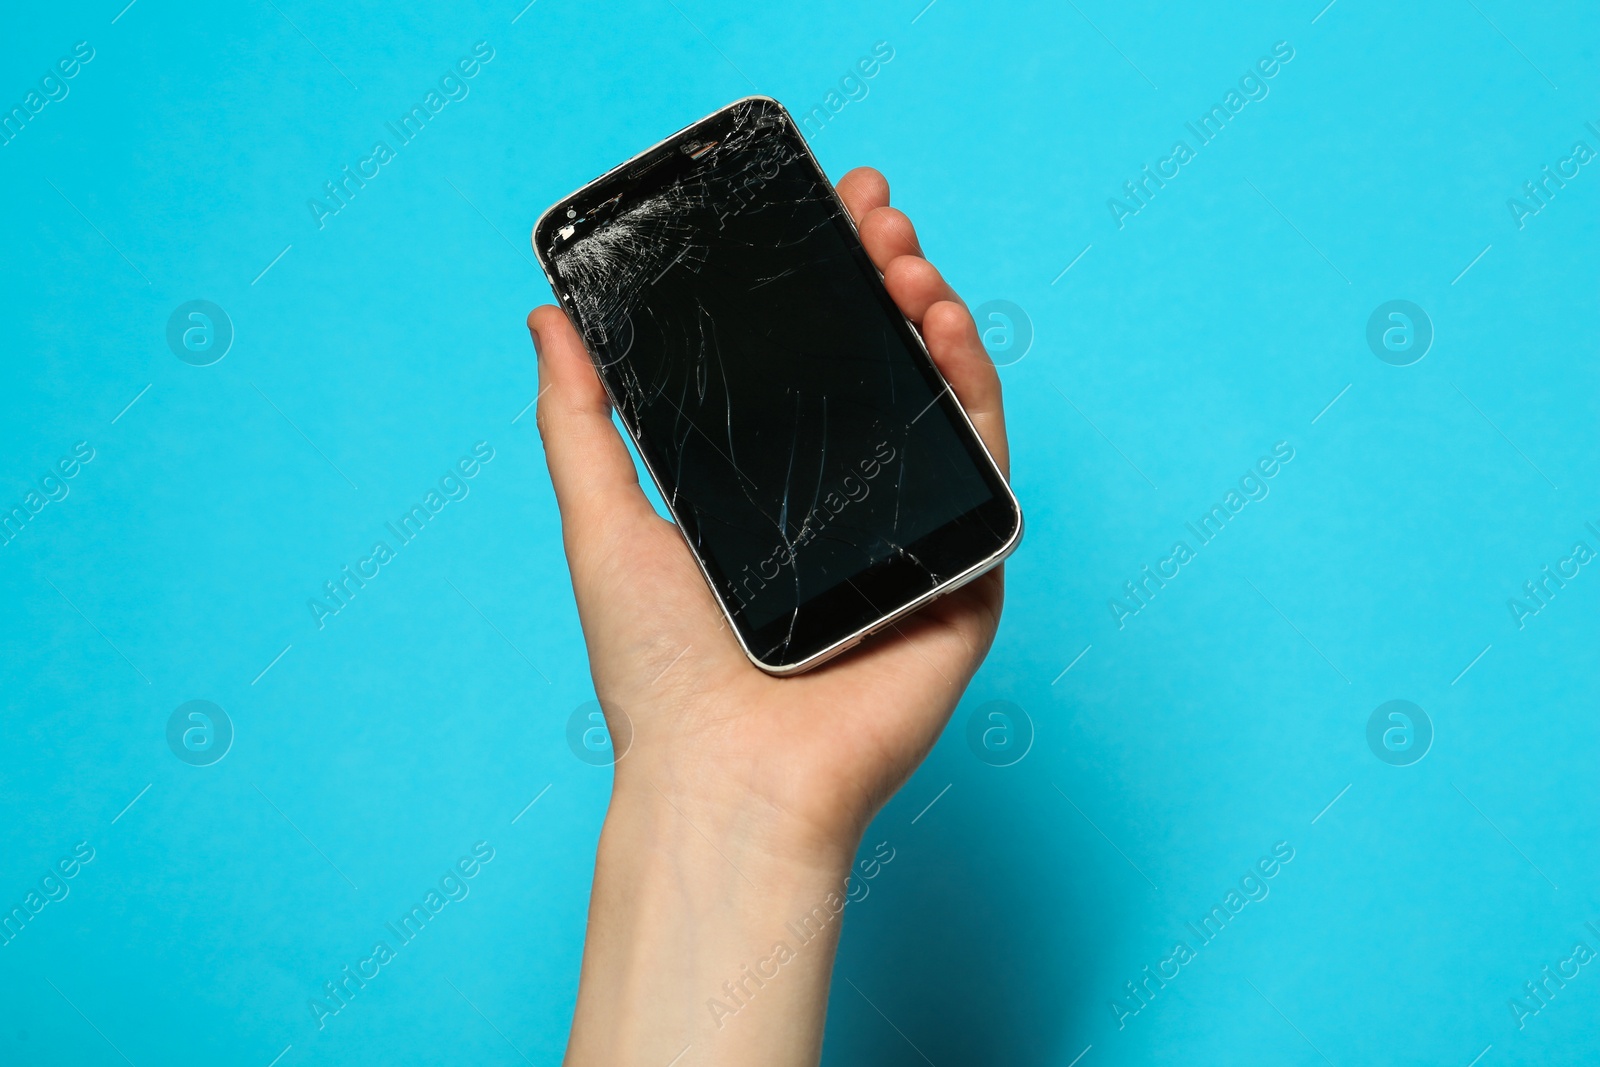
[(840, 618)]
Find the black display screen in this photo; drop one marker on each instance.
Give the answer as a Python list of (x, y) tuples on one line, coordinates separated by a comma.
[(795, 426)]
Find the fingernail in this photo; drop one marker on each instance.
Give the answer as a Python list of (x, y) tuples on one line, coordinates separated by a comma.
[(538, 349)]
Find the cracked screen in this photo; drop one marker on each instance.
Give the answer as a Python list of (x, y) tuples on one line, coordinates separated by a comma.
[(800, 435)]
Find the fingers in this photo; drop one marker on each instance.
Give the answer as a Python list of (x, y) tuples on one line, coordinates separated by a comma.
[(953, 342), (862, 190), (925, 298), (887, 234), (916, 285), (596, 485)]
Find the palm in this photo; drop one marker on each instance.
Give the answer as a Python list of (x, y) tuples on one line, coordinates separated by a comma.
[(845, 734)]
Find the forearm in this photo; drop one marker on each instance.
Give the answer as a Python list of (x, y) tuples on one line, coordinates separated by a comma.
[(711, 934)]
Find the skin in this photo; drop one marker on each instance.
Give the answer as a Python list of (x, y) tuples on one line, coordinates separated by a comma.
[(743, 798)]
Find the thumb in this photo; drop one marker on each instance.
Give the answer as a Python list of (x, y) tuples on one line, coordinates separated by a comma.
[(596, 485)]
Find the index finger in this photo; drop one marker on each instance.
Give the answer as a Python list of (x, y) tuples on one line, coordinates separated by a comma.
[(862, 190)]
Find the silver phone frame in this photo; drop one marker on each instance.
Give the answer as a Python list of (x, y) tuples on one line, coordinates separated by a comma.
[(816, 659)]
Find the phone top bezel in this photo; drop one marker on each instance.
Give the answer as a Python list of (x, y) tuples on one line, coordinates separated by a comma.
[(625, 176)]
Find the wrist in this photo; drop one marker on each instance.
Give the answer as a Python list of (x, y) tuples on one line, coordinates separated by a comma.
[(713, 925), (762, 817), (679, 812)]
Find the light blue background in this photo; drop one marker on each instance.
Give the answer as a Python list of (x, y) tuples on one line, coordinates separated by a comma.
[(1220, 720)]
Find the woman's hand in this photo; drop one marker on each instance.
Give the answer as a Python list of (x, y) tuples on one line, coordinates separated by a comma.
[(742, 798)]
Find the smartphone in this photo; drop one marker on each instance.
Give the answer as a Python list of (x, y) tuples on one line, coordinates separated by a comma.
[(819, 467)]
